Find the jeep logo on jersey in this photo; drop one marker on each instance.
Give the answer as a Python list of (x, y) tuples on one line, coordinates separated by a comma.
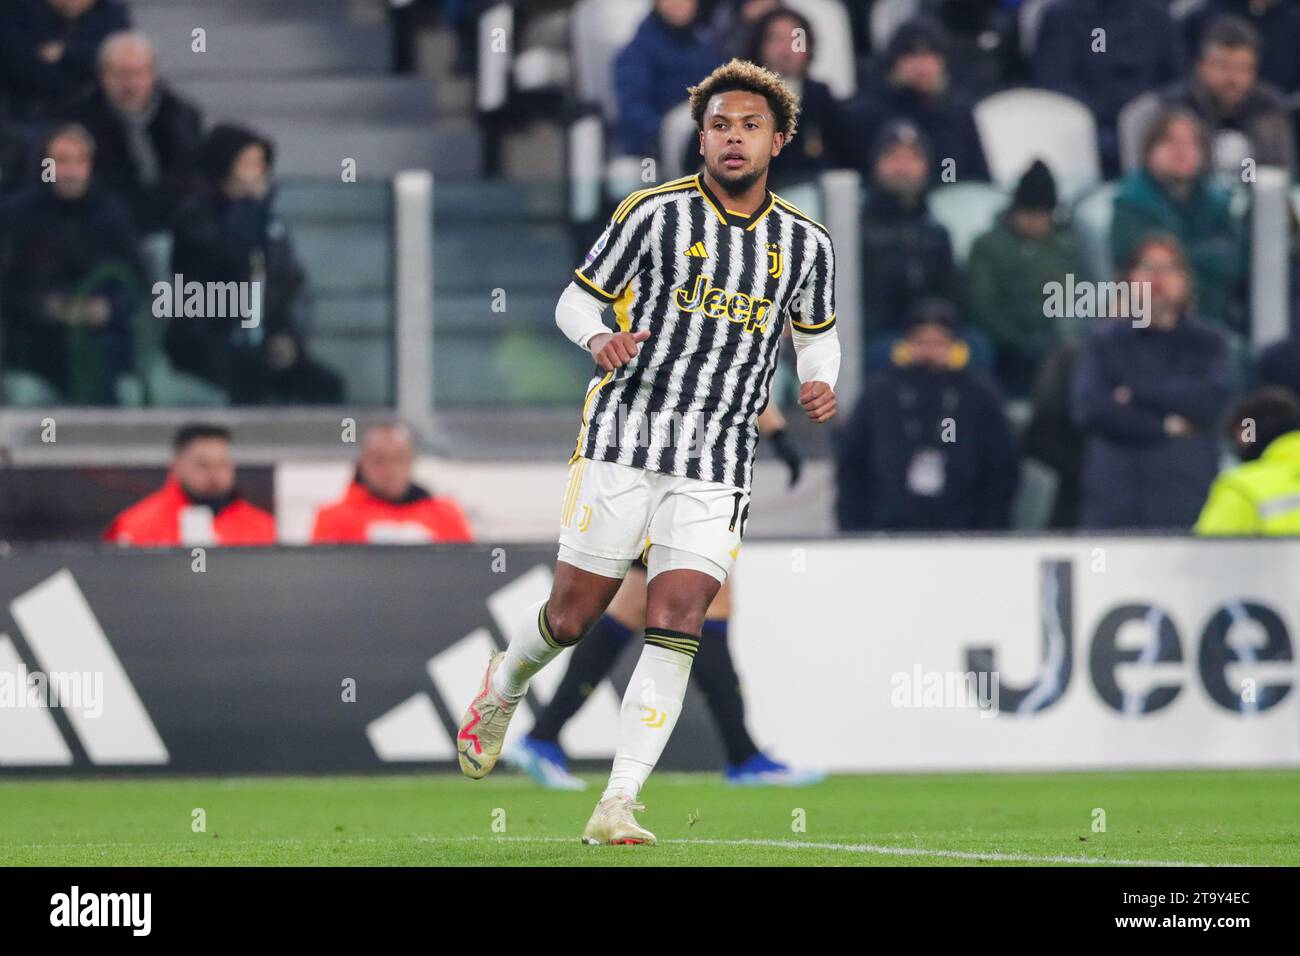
[(717, 303)]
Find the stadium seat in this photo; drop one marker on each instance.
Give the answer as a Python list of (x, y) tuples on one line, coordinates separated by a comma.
[(24, 390), (835, 62), (1031, 507), (310, 47), (807, 197), (966, 210), (1132, 124), (542, 61), (886, 17), (1021, 125), (541, 68), (1092, 216), (171, 389), (1031, 18), (493, 86), (600, 28), (392, 99), (1180, 10), (677, 131), (316, 147)]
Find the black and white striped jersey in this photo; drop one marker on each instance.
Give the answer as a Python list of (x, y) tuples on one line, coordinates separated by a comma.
[(713, 288)]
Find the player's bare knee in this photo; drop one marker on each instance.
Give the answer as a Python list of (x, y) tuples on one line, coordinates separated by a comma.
[(567, 624)]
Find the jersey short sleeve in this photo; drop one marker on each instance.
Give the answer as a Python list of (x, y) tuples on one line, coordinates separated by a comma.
[(620, 253), (812, 309)]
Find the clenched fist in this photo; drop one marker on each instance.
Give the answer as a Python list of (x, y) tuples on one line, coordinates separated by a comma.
[(818, 400), (613, 350)]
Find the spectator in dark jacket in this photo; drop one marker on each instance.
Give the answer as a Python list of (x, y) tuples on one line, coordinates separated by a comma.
[(1008, 268), (982, 51), (822, 141), (15, 150), (1053, 438), (1173, 192), (69, 277), (906, 253), (48, 47), (1278, 24), (229, 232), (1148, 394), (1244, 117), (670, 52), (916, 86), (732, 22), (928, 446), (147, 136), (1105, 53)]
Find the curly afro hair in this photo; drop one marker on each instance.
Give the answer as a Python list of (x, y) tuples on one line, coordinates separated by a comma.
[(746, 77)]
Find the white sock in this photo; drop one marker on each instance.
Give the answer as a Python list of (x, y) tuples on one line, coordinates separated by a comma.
[(651, 706), (531, 648)]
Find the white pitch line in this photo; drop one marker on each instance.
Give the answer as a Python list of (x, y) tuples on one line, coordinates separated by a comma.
[(869, 849)]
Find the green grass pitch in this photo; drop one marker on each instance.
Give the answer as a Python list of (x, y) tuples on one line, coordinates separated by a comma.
[(1224, 817)]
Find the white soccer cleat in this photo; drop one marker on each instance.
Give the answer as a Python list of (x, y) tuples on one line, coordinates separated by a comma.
[(612, 823), (483, 728)]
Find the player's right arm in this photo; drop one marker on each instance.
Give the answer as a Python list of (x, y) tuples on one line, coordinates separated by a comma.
[(611, 265), (579, 316)]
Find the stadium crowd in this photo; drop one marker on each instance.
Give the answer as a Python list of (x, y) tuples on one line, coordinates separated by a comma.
[(1129, 416), (98, 155)]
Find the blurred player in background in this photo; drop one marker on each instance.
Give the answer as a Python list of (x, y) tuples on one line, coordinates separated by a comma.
[(540, 754), (199, 503), (383, 505), (702, 273)]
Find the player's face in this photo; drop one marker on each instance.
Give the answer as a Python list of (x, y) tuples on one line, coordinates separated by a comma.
[(739, 139), (386, 461), (203, 467)]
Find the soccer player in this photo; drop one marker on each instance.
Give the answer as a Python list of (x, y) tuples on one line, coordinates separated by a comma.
[(702, 273)]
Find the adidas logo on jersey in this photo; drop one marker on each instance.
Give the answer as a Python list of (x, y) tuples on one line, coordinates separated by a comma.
[(697, 251)]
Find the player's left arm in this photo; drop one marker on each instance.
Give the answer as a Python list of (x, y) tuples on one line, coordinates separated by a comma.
[(816, 343)]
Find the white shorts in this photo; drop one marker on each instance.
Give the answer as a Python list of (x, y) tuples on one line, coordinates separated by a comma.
[(612, 514)]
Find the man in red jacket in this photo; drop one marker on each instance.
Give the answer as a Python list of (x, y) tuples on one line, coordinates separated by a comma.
[(383, 505), (198, 504)]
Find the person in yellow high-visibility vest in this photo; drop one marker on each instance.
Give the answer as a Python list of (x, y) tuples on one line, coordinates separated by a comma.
[(1261, 496)]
